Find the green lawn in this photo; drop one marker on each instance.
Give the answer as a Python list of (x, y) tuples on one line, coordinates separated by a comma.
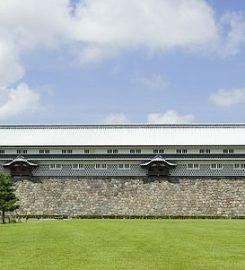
[(123, 244)]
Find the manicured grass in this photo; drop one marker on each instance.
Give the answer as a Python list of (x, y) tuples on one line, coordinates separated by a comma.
[(123, 244)]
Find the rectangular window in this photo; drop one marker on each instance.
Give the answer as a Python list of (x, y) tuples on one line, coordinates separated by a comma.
[(55, 166), (216, 166), (190, 166), (21, 151), (2, 151), (112, 151), (213, 166), (44, 151), (158, 151), (228, 151), (86, 151), (181, 151), (52, 166), (203, 151), (239, 166), (77, 166), (58, 166), (135, 151), (100, 166), (123, 166), (193, 166), (66, 151)]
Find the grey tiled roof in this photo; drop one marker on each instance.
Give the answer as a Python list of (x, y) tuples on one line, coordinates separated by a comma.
[(123, 135)]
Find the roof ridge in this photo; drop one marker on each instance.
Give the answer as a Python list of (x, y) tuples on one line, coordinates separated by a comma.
[(77, 126)]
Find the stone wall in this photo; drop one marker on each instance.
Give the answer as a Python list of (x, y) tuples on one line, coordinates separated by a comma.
[(132, 197)]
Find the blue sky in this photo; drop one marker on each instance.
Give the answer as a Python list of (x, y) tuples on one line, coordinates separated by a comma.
[(124, 61)]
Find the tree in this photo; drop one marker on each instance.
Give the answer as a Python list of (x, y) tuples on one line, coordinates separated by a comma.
[(8, 199)]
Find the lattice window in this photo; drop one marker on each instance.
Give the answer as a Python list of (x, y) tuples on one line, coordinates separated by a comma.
[(21, 151), (228, 151), (100, 166), (193, 166), (158, 151), (112, 151), (55, 166), (216, 166), (123, 166), (66, 151), (204, 151), (135, 151), (181, 151), (239, 166), (44, 151), (78, 166)]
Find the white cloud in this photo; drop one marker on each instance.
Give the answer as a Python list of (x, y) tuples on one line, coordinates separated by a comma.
[(113, 25), (21, 100), (153, 82), (28, 23), (117, 118), (228, 97), (231, 40), (23, 26), (10, 69), (169, 117), (103, 28), (107, 27), (99, 29)]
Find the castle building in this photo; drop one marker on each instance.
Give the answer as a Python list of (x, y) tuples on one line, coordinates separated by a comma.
[(193, 150)]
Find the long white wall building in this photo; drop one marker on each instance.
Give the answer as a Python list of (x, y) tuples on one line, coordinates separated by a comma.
[(123, 150)]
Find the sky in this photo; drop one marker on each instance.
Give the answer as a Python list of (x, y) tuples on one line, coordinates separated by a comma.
[(122, 61)]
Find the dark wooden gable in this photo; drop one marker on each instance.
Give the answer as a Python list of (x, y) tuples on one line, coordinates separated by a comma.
[(158, 166), (20, 167)]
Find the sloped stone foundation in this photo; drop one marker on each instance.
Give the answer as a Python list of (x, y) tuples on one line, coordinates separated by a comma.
[(131, 197)]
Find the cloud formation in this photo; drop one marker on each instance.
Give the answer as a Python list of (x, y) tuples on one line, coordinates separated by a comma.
[(169, 117), (21, 100), (10, 68), (230, 42), (154, 24), (228, 97), (100, 29), (117, 118)]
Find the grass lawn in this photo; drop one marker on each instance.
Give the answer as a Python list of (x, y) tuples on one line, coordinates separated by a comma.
[(123, 244)]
